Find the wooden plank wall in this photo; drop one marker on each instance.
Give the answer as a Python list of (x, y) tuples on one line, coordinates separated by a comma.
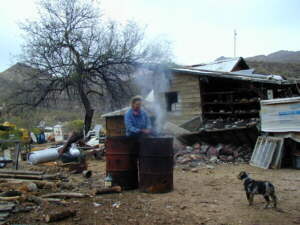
[(115, 126), (189, 99)]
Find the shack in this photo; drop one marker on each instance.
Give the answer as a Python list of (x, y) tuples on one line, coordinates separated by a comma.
[(218, 102), (224, 94)]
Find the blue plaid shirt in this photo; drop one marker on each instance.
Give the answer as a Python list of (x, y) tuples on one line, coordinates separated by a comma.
[(135, 123)]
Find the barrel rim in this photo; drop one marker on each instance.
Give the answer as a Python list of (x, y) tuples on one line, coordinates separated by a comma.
[(121, 137)]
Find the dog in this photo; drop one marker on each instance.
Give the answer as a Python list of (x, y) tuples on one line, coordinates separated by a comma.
[(253, 187)]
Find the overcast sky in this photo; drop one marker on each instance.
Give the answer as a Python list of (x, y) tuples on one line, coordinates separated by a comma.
[(199, 30)]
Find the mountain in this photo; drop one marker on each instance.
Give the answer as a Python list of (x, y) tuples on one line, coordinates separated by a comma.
[(17, 76), (282, 56), (285, 63), (288, 70), (16, 73)]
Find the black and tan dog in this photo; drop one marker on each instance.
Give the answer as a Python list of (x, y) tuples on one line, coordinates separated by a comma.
[(253, 187)]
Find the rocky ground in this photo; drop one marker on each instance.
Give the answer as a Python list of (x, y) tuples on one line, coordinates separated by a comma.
[(206, 195)]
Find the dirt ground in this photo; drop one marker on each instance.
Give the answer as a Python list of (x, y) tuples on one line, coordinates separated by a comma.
[(207, 197)]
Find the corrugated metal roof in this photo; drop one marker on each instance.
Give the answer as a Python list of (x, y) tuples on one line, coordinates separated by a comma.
[(119, 112), (225, 65), (238, 75), (148, 105)]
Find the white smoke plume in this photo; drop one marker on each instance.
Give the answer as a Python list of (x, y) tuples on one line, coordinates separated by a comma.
[(156, 79)]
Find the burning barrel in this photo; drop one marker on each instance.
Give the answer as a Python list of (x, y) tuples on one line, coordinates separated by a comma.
[(156, 165), (121, 161)]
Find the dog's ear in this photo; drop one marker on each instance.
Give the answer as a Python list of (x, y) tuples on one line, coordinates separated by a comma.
[(242, 175)]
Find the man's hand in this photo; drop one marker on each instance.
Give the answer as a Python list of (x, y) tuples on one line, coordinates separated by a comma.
[(146, 131)]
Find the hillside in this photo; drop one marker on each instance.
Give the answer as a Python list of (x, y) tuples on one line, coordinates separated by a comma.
[(62, 109), (282, 56), (16, 73), (288, 70), (285, 63)]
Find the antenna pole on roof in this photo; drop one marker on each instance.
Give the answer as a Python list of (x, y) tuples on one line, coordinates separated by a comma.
[(234, 42)]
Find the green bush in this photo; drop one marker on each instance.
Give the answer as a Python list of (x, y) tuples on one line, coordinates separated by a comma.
[(36, 131)]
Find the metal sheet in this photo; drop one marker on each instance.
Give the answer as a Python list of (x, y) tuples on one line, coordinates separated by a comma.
[(281, 115), (233, 75), (226, 65)]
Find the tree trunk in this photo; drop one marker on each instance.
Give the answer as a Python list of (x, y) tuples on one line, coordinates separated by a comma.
[(89, 113)]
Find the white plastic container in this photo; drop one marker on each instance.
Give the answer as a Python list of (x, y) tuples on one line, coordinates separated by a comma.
[(42, 156)]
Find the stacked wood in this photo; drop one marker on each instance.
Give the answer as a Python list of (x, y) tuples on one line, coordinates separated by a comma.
[(31, 177), (65, 195), (40, 201), (5, 210), (21, 172)]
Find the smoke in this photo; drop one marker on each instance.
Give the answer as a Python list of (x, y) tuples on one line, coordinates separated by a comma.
[(155, 80)]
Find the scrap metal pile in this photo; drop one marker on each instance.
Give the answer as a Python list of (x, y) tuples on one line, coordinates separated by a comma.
[(203, 153)]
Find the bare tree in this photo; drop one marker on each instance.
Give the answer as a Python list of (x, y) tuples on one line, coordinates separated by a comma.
[(78, 52)]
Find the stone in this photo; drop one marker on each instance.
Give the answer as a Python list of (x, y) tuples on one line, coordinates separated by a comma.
[(194, 170), (197, 146), (183, 207), (32, 187), (210, 167), (213, 159), (235, 154), (212, 151), (204, 148), (193, 164), (230, 158), (188, 149)]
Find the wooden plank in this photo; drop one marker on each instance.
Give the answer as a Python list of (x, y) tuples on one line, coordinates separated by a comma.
[(6, 208), (22, 172), (198, 101), (190, 95), (115, 126), (185, 83), (190, 105), (4, 215), (184, 89), (184, 77)]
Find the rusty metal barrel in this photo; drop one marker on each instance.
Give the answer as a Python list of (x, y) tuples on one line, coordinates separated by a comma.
[(121, 161), (156, 165)]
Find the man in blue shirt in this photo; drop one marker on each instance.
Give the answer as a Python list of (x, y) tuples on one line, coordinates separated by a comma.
[(137, 121)]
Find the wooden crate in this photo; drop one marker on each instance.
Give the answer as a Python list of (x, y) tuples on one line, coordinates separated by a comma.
[(115, 126)]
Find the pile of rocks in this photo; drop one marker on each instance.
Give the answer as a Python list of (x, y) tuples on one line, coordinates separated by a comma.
[(203, 153)]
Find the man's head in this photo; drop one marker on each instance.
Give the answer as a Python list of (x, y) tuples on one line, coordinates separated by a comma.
[(136, 103)]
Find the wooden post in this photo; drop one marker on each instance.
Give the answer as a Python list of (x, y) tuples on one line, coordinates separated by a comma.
[(18, 150)]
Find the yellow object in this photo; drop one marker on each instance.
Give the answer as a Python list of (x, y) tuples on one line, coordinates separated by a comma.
[(25, 138), (8, 124)]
